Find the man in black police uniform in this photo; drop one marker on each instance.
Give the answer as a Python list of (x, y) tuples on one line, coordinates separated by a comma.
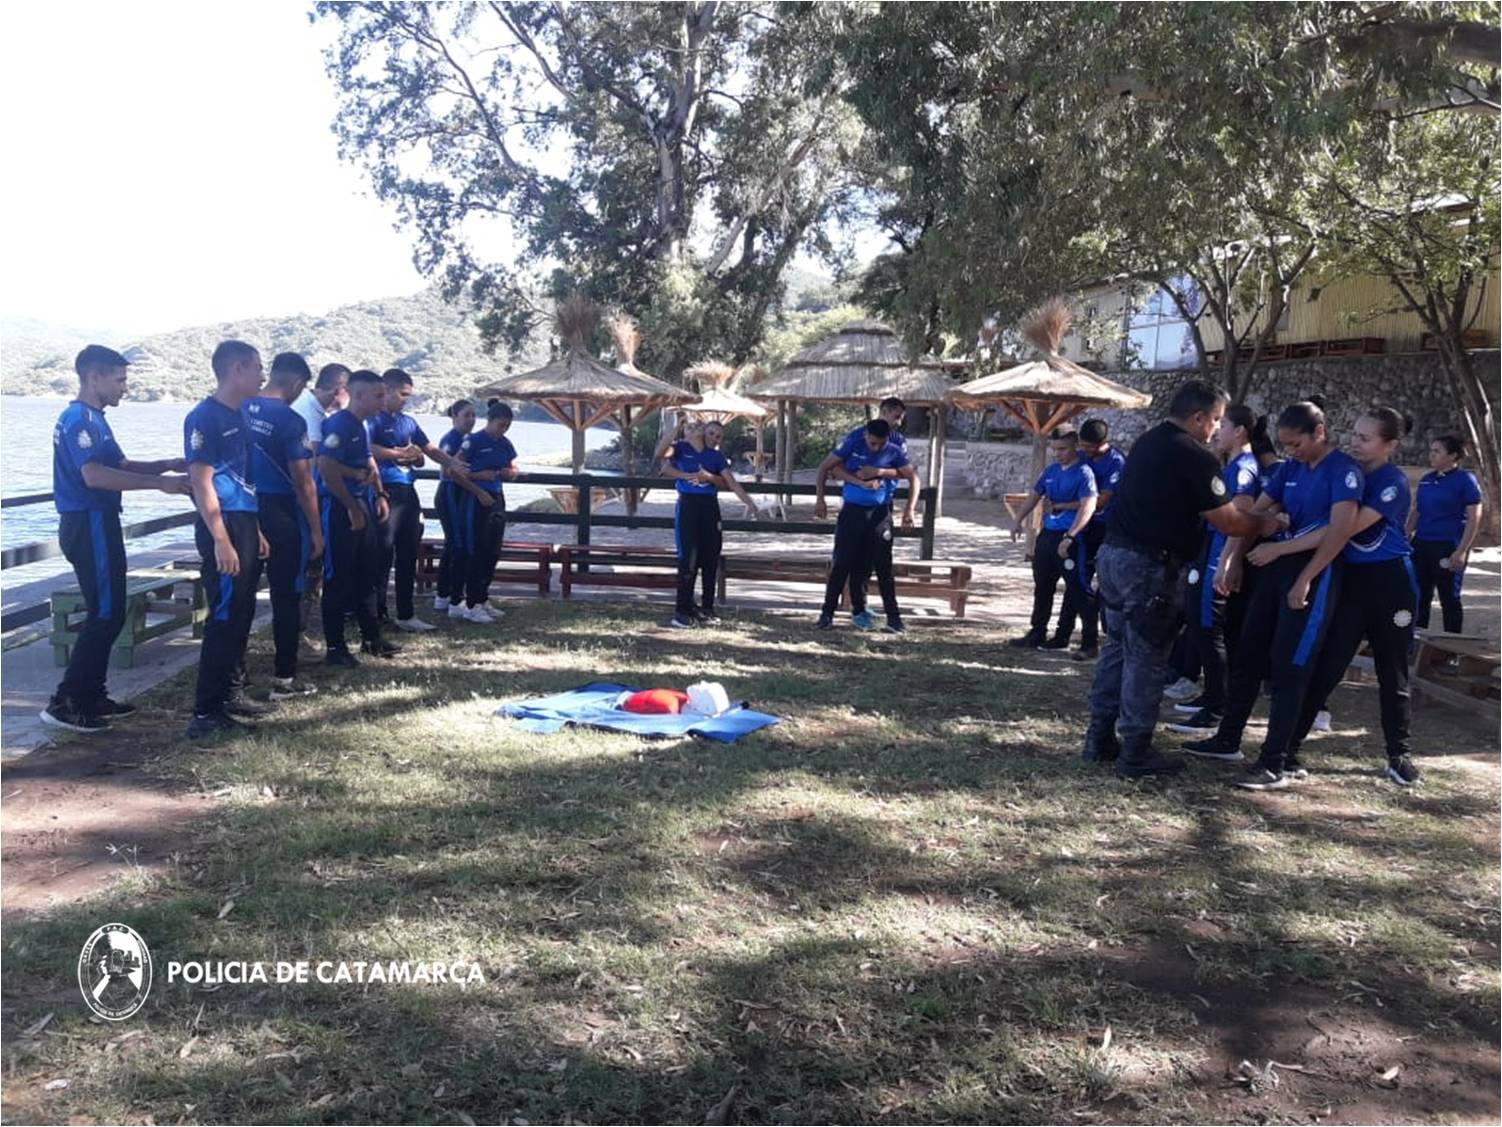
[(89, 472), (1171, 485)]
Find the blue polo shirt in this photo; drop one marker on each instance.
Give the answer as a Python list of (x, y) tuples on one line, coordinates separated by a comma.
[(347, 441), (1107, 469), (216, 435), (1443, 498), (395, 430), (856, 455), (1061, 485), (481, 452), (82, 436), (449, 444), (1308, 494), (685, 459), (896, 438), (1386, 492), (278, 438)]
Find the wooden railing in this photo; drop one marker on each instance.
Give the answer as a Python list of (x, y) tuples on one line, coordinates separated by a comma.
[(583, 521)]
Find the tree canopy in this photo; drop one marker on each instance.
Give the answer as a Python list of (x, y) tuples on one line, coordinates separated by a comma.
[(671, 158)]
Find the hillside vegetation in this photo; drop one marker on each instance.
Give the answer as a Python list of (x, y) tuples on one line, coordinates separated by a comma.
[(433, 340)]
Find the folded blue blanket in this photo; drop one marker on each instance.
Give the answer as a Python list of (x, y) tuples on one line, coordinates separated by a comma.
[(593, 706)]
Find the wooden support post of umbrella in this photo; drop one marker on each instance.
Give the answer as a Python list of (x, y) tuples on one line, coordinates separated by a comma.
[(580, 391), (1045, 393)]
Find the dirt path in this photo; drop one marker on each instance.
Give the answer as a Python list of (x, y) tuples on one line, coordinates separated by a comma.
[(82, 816)]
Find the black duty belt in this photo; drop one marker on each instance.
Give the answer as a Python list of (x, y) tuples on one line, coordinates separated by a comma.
[(1156, 554)]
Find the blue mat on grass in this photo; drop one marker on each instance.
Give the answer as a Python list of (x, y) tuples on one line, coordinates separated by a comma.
[(593, 706)]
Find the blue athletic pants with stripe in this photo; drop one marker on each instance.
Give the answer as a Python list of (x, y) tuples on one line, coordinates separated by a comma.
[(94, 546), (696, 530), (1378, 602), (286, 531), (862, 545), (1282, 645), (351, 561), (484, 534), (232, 610), (401, 538), (1432, 578)]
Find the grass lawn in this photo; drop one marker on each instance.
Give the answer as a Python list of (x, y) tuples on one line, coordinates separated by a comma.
[(908, 902)]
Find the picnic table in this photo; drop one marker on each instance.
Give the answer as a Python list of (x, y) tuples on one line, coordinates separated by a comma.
[(536, 560), (1459, 670), (154, 606)]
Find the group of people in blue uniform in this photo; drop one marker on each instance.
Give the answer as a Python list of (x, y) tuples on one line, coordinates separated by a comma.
[(1270, 570), (1298, 561), (307, 480)]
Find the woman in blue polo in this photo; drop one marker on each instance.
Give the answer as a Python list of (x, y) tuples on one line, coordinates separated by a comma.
[(1443, 526), (1060, 550), (450, 589), (482, 513), (1378, 593), (1319, 489)]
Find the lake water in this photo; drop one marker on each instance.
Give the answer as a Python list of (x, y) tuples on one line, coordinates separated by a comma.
[(148, 431)]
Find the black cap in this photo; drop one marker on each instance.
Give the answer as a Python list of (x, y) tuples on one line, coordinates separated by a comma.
[(97, 358)]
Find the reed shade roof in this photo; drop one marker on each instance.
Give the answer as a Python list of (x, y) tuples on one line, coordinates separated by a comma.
[(862, 362), (576, 387), (1043, 393), (723, 405)]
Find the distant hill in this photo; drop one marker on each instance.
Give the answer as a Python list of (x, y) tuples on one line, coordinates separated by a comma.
[(435, 341)]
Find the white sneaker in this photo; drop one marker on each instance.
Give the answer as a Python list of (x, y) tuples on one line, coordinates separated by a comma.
[(477, 614), (1182, 689), (440, 604), (456, 610), (413, 625), (495, 611), (1321, 722)]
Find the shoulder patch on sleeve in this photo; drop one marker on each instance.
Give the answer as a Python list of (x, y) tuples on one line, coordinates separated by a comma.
[(331, 441), (1352, 481), (1217, 486), (1390, 493), (195, 440), (85, 440)]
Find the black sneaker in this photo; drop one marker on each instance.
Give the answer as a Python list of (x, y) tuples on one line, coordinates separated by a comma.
[(894, 626), (1293, 768), (1215, 748), (1402, 771), (207, 727), (707, 618), (826, 622), (64, 714), (1154, 763), (1057, 642), (1086, 653), (111, 708), (241, 705), (342, 659), (1202, 723), (1029, 641), (683, 622), (1260, 778), (381, 648)]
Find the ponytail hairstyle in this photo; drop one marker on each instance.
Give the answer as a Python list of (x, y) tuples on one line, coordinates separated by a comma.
[(1454, 445), (458, 405), (1262, 443), (1240, 415), (1392, 425), (1303, 417)]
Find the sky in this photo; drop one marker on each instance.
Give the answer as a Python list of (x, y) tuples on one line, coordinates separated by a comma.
[(171, 164)]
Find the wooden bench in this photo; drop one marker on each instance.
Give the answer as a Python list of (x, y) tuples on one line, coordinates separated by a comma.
[(152, 593), (536, 562), (923, 579), (1472, 683), (631, 565)]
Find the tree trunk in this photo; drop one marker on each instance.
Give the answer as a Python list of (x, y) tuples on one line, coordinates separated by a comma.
[(1478, 418)]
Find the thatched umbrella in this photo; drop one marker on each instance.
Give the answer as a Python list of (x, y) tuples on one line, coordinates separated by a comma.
[(863, 362), (579, 391), (718, 402), (1047, 392)]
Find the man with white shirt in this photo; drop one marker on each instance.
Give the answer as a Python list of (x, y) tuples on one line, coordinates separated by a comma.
[(325, 395)]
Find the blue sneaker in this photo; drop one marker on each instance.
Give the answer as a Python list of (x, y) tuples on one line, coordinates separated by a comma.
[(864, 620), (894, 626)]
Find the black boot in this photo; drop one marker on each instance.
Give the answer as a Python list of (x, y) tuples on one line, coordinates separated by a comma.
[(1139, 761), (1101, 744)]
